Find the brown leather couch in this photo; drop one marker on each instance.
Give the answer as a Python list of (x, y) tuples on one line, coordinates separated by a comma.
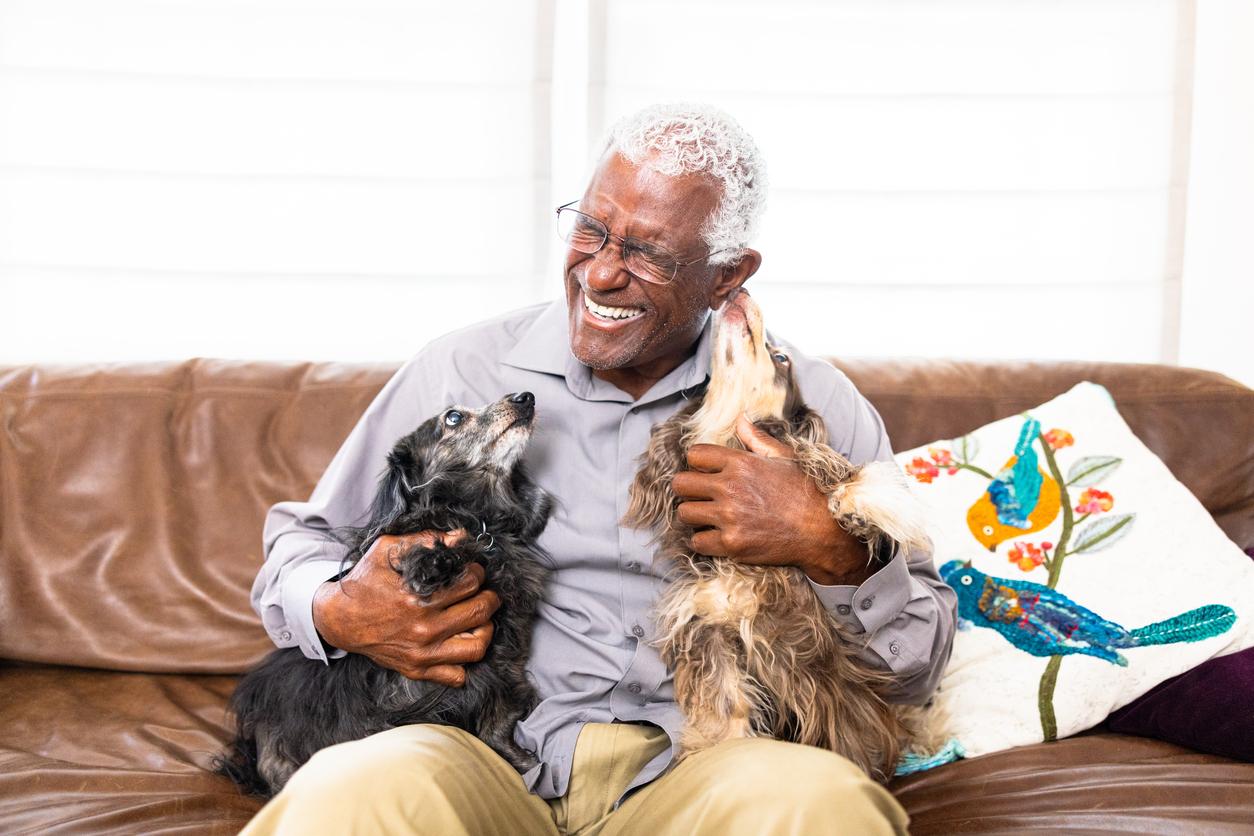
[(131, 505)]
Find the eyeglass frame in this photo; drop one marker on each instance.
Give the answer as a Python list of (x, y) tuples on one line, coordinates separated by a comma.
[(621, 239)]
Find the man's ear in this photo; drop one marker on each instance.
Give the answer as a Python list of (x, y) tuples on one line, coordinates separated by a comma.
[(732, 276)]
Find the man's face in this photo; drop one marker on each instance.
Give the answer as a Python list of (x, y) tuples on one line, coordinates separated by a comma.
[(665, 320)]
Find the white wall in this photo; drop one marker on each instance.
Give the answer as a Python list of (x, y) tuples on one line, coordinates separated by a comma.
[(975, 178), (344, 180), (1217, 315), (280, 179)]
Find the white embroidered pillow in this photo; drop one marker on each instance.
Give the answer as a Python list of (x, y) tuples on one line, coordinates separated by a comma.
[(1086, 573)]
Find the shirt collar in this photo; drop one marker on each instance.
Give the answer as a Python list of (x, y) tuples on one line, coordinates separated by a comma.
[(545, 347)]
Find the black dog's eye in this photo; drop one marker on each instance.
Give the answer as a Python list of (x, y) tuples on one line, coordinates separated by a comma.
[(780, 358), (452, 418)]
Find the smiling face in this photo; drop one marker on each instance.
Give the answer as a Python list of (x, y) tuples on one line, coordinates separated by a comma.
[(629, 331)]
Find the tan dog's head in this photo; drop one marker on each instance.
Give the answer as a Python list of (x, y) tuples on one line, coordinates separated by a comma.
[(747, 376)]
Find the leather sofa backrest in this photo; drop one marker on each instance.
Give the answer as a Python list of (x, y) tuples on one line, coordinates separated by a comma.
[(132, 497)]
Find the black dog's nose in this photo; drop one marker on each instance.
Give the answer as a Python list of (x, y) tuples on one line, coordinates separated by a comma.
[(522, 397)]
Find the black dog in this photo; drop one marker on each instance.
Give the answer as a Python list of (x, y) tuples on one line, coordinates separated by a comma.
[(460, 469)]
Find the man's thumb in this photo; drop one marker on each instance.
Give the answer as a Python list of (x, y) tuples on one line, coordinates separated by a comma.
[(757, 441)]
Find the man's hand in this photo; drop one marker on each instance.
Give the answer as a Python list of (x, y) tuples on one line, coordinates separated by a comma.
[(370, 611), (758, 506)]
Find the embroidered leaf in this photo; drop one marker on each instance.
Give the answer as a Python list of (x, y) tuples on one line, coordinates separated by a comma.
[(1092, 469), (1102, 533), (967, 448)]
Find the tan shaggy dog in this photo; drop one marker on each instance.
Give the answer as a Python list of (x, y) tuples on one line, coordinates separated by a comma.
[(753, 650)]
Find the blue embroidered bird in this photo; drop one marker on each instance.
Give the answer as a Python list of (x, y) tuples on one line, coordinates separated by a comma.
[(1021, 498), (1044, 622)]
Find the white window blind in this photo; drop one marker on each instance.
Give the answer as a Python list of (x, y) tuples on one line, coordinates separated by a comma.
[(277, 179), (326, 179), (978, 178)]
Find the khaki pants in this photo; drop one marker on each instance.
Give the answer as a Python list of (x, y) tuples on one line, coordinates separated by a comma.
[(441, 780)]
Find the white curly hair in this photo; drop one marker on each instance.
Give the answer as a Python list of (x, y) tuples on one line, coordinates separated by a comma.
[(683, 138)]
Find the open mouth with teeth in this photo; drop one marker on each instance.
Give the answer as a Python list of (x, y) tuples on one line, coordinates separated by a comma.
[(607, 314)]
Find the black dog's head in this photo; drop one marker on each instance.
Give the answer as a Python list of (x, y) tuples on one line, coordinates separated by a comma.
[(461, 469)]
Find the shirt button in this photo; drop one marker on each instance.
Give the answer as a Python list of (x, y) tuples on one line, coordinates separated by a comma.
[(633, 567), (866, 603), (634, 687), (285, 636), (637, 631), (843, 609), (894, 648)]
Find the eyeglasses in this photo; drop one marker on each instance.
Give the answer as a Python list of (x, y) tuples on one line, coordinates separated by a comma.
[(650, 262)]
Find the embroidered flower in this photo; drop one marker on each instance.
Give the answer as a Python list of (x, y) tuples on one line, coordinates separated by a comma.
[(1093, 501), (943, 458), (1057, 439), (922, 469), (1027, 556)]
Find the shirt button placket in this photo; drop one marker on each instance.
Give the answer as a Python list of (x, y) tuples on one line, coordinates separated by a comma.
[(629, 696)]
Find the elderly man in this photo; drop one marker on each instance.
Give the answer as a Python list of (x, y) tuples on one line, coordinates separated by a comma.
[(675, 199)]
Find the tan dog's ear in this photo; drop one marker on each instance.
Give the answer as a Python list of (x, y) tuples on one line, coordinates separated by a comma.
[(651, 500)]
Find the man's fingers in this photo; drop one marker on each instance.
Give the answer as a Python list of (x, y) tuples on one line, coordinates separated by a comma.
[(392, 547), (454, 676), (417, 539), (464, 648), (452, 538), (466, 585), (708, 457), (759, 441), (469, 615), (692, 485), (697, 514), (709, 543)]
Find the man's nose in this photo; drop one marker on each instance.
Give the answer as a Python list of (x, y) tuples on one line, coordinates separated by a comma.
[(606, 270)]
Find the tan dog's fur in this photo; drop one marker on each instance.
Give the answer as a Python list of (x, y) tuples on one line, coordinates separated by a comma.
[(753, 650)]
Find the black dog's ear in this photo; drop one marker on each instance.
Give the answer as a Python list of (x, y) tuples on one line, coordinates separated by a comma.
[(393, 495), (536, 506)]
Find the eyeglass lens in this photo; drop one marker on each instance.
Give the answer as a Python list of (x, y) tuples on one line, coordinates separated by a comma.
[(588, 235)]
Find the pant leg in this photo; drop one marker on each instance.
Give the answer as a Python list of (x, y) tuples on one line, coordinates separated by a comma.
[(415, 779), (757, 787), (607, 756)]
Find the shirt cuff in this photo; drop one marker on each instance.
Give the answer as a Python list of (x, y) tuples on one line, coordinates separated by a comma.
[(299, 588), (879, 600)]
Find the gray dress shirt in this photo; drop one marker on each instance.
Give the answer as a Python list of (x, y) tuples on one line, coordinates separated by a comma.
[(591, 660)]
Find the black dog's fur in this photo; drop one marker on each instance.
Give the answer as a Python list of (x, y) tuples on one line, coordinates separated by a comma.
[(440, 477)]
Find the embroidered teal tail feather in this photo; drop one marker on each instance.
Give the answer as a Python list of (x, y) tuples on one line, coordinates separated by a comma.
[(1192, 626), (911, 763), (1045, 622)]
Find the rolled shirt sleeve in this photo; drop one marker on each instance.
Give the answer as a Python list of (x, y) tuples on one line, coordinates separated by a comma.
[(903, 616), (300, 552)]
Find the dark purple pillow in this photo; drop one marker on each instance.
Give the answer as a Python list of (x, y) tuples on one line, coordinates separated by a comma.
[(1210, 708)]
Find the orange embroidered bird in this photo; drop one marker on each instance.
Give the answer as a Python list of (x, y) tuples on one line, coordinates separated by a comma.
[(1021, 499)]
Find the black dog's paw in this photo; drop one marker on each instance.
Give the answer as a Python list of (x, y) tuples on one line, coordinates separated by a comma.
[(428, 570)]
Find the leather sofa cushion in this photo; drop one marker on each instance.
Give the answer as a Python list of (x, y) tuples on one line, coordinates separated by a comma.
[(105, 752), (86, 751), (1092, 783), (132, 497), (133, 500)]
